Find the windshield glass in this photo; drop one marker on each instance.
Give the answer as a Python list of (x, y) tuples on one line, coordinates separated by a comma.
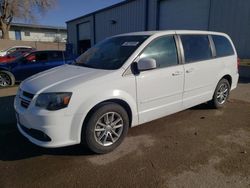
[(111, 53)]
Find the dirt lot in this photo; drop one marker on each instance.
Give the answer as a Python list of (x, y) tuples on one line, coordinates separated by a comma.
[(199, 147)]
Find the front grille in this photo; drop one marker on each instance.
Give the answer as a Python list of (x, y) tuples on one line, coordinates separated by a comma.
[(26, 98), (25, 103)]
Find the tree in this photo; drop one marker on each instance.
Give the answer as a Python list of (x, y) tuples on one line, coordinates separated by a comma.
[(21, 9)]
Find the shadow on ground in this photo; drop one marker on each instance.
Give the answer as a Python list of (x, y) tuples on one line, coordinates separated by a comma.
[(13, 146)]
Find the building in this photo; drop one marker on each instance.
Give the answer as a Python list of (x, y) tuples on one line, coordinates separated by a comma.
[(230, 16), (41, 33)]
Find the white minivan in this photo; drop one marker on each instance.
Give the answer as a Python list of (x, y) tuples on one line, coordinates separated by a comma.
[(124, 81)]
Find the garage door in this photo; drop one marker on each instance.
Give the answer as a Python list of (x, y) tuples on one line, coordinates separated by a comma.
[(183, 14), (84, 31), (84, 37)]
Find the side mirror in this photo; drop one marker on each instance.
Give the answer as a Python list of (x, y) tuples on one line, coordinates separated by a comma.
[(146, 64)]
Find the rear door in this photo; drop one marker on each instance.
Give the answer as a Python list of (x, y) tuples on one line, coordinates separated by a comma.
[(159, 91), (30, 65), (200, 69)]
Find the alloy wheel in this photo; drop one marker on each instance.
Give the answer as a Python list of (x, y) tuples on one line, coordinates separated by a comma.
[(5, 80), (108, 128), (222, 93)]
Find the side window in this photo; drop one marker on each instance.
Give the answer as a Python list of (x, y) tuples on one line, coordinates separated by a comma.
[(223, 46), (55, 56), (42, 57), (163, 50), (196, 48), (31, 57)]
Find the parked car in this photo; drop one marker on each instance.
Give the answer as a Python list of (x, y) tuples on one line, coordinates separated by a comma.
[(12, 56), (125, 81), (13, 49), (30, 64)]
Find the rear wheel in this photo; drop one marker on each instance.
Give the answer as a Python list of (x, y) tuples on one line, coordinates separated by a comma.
[(6, 79), (106, 128), (221, 94)]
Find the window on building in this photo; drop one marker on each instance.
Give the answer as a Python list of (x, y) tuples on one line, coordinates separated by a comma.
[(223, 46), (27, 33), (163, 50), (196, 48)]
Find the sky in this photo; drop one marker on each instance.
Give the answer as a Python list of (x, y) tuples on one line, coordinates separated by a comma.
[(69, 9)]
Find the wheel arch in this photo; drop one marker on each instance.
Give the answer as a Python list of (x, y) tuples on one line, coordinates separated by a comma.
[(120, 102), (228, 78)]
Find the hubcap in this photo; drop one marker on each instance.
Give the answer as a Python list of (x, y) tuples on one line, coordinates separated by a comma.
[(4, 80), (222, 93), (108, 128)]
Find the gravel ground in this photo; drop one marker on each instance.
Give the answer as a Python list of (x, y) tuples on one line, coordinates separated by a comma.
[(199, 147)]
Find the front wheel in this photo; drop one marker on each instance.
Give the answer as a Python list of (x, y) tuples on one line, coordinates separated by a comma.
[(6, 79), (106, 128), (221, 94)]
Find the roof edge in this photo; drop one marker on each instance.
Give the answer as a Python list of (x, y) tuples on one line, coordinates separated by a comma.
[(38, 26), (100, 10)]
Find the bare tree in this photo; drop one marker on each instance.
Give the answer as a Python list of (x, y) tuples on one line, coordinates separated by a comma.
[(21, 9)]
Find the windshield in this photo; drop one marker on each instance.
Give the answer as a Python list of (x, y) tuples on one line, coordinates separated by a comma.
[(111, 53)]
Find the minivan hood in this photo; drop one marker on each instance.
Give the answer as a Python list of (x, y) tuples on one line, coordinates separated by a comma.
[(66, 76)]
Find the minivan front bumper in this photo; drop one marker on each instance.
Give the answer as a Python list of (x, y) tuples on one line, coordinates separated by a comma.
[(49, 130)]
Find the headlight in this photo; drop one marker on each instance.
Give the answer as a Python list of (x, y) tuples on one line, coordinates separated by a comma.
[(53, 101)]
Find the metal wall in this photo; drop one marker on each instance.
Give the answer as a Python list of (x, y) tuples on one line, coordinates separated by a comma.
[(233, 17), (229, 16), (152, 14), (126, 18), (183, 14)]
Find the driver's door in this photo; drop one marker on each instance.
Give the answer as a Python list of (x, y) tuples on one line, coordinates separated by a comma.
[(160, 91), (30, 65)]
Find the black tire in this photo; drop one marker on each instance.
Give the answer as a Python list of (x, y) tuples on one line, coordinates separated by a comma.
[(9, 79), (91, 135), (218, 102)]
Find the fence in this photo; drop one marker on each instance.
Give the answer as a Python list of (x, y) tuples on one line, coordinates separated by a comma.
[(38, 45)]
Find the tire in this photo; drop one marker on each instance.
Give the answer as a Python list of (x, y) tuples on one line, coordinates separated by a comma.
[(221, 94), (106, 128), (6, 79)]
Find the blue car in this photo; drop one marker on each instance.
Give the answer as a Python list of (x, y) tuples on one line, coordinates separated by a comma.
[(30, 64)]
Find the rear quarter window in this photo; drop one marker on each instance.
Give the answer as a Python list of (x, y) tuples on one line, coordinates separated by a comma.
[(196, 48), (223, 46)]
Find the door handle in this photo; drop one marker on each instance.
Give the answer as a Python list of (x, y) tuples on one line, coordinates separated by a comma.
[(190, 70), (177, 73)]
